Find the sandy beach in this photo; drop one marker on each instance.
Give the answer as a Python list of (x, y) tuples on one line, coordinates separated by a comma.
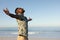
[(15, 38)]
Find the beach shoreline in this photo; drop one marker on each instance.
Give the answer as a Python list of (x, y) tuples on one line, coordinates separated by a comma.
[(30, 38)]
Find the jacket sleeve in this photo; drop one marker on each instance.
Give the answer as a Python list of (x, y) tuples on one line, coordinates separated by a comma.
[(14, 16)]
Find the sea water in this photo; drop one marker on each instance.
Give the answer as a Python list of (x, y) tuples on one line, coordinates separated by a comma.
[(42, 32)]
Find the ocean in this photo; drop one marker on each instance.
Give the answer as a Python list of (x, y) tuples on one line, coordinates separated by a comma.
[(42, 32)]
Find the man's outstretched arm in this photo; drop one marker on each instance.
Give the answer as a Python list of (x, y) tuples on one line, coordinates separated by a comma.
[(9, 14)]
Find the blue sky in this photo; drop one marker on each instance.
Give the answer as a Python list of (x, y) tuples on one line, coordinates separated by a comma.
[(43, 12)]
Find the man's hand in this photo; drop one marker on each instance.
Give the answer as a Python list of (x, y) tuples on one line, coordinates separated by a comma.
[(6, 11), (29, 19)]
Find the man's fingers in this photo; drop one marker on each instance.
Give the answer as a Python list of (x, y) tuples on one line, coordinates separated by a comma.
[(3, 10), (6, 8)]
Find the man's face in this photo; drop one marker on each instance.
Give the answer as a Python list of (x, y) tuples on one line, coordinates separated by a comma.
[(19, 11)]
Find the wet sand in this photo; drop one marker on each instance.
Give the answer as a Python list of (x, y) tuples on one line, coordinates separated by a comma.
[(33, 38)]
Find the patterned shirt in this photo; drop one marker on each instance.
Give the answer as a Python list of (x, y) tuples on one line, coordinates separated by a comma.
[(22, 24)]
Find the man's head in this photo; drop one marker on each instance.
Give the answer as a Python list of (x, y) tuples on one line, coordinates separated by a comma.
[(19, 10)]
